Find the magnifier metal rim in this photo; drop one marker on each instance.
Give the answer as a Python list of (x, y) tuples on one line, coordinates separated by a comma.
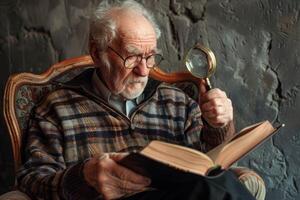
[(211, 59)]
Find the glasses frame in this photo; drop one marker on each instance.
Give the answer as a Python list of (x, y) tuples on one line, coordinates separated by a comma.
[(138, 57)]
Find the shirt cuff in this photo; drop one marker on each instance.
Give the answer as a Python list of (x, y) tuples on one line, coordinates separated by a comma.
[(215, 136)]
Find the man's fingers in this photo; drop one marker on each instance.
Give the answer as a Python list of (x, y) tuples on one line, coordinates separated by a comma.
[(213, 94), (111, 179), (215, 111), (217, 103), (120, 183), (126, 174), (116, 187), (126, 186)]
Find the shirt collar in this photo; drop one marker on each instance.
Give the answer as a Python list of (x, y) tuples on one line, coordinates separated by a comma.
[(100, 88)]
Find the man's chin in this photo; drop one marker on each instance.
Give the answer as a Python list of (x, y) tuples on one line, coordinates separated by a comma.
[(132, 93)]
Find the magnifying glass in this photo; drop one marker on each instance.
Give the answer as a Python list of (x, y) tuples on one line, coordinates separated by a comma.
[(201, 63)]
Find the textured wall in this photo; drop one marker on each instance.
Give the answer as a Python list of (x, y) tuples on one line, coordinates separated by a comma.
[(256, 42)]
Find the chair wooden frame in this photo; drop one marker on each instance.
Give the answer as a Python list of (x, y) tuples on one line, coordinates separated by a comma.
[(17, 80)]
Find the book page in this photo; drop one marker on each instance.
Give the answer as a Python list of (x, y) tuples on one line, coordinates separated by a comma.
[(228, 153), (180, 157), (214, 153)]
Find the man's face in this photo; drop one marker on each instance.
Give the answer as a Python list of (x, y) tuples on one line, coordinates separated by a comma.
[(136, 36)]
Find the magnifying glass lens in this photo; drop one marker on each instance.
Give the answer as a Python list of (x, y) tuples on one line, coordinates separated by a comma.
[(197, 63)]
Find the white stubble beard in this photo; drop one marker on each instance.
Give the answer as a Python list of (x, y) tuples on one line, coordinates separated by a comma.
[(135, 93)]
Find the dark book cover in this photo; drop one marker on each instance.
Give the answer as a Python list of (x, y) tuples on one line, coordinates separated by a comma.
[(162, 175)]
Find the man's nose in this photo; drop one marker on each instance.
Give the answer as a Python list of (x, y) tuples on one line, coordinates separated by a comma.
[(141, 69)]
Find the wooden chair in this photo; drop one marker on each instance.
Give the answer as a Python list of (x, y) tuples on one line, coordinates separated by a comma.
[(24, 90)]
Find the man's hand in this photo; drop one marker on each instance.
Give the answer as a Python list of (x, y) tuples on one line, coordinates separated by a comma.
[(111, 179), (216, 107)]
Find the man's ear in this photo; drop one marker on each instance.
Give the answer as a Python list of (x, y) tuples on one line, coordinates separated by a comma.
[(94, 52)]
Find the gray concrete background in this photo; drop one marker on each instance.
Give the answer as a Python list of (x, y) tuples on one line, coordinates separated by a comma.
[(256, 42)]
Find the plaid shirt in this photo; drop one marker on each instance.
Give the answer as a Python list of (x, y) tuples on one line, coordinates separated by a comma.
[(72, 120)]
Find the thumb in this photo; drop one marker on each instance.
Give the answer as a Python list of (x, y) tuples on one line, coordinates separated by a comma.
[(117, 156), (203, 87), (202, 90)]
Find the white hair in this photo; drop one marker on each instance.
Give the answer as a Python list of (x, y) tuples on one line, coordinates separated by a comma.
[(103, 27)]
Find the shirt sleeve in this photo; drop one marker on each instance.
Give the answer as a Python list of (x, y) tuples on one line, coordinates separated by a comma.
[(44, 174), (215, 136)]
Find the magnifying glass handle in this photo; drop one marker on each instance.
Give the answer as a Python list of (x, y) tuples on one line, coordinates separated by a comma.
[(208, 85)]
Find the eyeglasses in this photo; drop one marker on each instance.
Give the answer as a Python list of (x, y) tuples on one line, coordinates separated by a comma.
[(132, 61)]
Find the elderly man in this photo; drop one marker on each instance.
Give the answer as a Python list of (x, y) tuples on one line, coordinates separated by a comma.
[(80, 131)]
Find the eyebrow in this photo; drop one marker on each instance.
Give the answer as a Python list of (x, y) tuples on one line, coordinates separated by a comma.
[(135, 51)]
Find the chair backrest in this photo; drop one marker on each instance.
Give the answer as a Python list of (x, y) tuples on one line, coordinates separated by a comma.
[(24, 90)]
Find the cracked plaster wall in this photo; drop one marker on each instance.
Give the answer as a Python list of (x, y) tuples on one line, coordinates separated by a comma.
[(257, 45)]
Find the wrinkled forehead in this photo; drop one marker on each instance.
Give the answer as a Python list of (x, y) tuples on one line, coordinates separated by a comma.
[(134, 29)]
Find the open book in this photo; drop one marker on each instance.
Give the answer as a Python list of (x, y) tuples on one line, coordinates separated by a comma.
[(161, 159)]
